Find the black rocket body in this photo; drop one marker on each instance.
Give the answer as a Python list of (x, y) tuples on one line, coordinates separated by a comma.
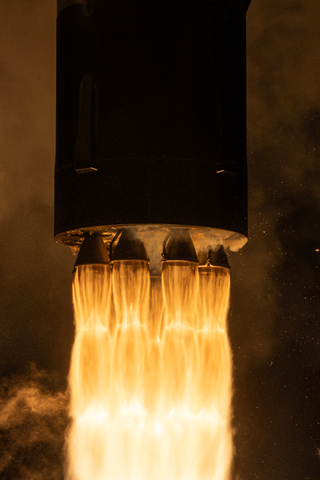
[(151, 115)]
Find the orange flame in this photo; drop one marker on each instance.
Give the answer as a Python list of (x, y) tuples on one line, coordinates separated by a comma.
[(150, 375)]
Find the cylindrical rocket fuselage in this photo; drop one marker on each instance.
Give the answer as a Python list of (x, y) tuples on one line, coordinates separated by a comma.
[(151, 114)]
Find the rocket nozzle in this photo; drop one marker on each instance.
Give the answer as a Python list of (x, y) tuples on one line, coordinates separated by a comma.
[(92, 251), (178, 248), (129, 248), (215, 259)]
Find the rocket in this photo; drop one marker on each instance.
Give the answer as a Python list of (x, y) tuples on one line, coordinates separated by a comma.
[(151, 119)]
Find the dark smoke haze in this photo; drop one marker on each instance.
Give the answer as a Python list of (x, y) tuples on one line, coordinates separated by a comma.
[(33, 420), (274, 321)]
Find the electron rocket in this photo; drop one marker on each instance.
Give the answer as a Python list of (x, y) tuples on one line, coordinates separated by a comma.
[(151, 120)]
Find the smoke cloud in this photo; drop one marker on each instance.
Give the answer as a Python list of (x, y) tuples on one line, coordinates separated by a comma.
[(275, 295), (33, 420), (281, 256)]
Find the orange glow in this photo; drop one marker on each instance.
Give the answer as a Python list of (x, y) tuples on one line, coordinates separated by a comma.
[(150, 375)]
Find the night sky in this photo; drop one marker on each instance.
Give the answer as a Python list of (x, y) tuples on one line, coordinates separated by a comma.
[(275, 301)]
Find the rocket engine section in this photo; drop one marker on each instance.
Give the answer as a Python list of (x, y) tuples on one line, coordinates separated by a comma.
[(151, 117)]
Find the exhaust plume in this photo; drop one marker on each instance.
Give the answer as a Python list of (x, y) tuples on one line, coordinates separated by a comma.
[(150, 381)]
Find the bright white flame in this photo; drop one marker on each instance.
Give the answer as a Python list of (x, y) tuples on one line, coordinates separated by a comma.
[(150, 375)]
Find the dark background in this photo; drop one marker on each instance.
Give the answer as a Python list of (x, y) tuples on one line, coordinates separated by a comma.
[(274, 320)]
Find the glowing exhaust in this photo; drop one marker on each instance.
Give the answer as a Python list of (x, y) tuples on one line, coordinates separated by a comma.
[(150, 387)]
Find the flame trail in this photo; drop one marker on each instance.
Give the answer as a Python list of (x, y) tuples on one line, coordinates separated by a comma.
[(150, 381)]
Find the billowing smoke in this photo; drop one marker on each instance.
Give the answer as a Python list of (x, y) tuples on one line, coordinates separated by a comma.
[(284, 173), (33, 420), (275, 298)]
